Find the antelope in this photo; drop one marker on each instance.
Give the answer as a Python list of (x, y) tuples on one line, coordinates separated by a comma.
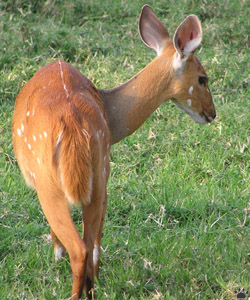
[(63, 128)]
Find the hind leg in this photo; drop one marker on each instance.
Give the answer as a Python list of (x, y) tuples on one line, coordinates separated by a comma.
[(92, 215), (57, 212), (97, 244), (59, 250), (93, 218)]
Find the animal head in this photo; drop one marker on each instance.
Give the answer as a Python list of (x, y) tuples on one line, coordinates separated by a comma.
[(188, 80)]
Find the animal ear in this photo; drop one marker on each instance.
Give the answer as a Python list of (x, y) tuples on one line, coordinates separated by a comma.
[(152, 31), (188, 36)]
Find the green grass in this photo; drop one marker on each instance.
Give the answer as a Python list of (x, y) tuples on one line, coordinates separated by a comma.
[(177, 224)]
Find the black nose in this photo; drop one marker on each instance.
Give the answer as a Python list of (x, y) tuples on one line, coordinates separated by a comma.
[(209, 118)]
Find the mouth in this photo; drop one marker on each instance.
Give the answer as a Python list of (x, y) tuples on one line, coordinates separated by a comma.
[(200, 118), (208, 119)]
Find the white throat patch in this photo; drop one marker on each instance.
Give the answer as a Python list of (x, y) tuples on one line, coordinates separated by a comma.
[(193, 114), (178, 64)]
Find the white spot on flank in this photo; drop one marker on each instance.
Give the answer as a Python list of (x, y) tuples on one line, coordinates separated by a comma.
[(99, 132), (58, 252), (95, 254), (22, 127), (28, 113), (63, 83), (19, 132), (33, 152), (25, 140), (40, 136), (38, 160), (29, 146), (33, 175), (189, 102), (33, 112), (105, 157), (34, 138), (191, 90), (45, 134)]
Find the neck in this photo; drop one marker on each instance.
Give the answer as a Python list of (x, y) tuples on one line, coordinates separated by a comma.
[(129, 105)]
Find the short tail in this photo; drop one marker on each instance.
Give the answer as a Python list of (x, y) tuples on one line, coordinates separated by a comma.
[(73, 160)]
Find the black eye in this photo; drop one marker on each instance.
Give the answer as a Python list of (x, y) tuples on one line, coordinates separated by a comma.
[(203, 80)]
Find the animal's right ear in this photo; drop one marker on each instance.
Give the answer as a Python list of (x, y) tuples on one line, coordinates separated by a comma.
[(152, 31)]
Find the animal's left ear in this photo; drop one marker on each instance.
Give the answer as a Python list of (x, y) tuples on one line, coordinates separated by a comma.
[(188, 36)]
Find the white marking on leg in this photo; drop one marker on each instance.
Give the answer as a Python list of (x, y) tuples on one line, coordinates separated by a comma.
[(96, 254), (191, 90), (58, 252)]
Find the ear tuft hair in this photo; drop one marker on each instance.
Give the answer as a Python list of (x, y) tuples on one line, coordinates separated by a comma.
[(188, 36)]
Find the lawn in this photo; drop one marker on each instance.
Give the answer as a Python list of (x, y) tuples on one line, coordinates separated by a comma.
[(177, 224)]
